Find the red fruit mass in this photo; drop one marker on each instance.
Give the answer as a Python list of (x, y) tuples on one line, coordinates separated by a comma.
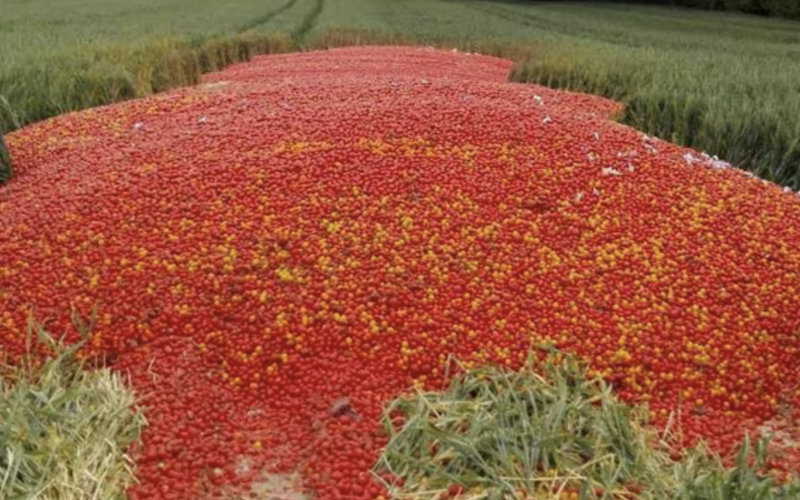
[(275, 254)]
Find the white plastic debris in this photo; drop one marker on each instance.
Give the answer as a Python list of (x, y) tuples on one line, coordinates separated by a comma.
[(138, 126), (595, 192), (610, 171), (202, 119), (596, 136), (715, 162), (424, 81), (538, 100), (579, 196), (631, 168), (547, 119)]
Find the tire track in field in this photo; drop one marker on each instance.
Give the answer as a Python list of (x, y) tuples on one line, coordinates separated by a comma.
[(530, 20), (266, 17), (497, 11), (308, 23)]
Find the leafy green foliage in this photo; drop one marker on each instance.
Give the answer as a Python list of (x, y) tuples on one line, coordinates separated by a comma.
[(547, 430), (64, 430)]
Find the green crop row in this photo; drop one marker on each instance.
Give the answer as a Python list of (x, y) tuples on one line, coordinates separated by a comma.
[(102, 74), (778, 8)]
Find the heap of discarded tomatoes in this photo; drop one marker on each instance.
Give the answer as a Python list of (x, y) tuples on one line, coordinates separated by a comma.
[(276, 253)]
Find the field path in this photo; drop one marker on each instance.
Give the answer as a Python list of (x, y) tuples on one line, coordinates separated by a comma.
[(309, 21), (255, 22)]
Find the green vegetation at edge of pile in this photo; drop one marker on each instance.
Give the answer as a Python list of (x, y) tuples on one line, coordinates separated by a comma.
[(547, 430), (65, 427), (6, 169), (105, 74)]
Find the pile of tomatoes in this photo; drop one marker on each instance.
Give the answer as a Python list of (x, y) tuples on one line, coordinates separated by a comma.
[(276, 253)]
